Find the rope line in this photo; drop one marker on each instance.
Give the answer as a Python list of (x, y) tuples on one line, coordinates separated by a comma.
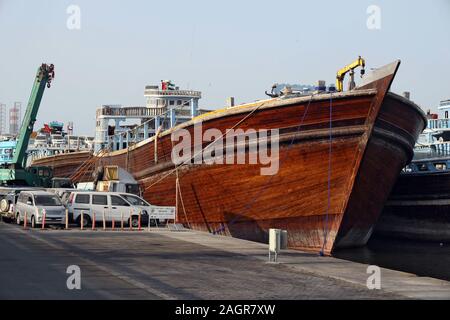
[(182, 202), (87, 165), (203, 149), (325, 231), (250, 204)]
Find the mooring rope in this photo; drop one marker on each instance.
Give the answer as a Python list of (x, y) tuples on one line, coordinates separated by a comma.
[(80, 167), (330, 148), (203, 149), (86, 166), (178, 191), (250, 204), (182, 202)]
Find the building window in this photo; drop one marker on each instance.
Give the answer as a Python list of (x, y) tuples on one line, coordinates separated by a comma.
[(161, 103), (179, 102), (171, 102), (446, 114), (151, 102)]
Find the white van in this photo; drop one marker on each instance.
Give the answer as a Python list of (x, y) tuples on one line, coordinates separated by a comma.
[(113, 205)]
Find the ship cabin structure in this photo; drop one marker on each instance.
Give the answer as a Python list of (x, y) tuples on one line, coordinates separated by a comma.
[(52, 140), (435, 139), (166, 106), (7, 148)]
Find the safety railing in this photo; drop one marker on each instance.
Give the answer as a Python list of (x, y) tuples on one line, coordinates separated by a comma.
[(439, 123), (177, 93), (130, 111)]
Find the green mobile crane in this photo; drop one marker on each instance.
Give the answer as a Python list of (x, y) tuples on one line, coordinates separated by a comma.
[(15, 172)]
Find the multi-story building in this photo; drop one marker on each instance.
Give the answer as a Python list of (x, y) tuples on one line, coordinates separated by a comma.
[(15, 118), (166, 106)]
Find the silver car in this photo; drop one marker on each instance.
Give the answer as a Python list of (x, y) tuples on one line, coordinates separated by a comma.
[(34, 204)]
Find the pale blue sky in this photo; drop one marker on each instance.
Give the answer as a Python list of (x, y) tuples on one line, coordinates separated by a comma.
[(226, 48)]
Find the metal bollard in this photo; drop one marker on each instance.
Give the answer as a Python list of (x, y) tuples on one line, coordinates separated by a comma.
[(82, 221), (104, 221), (43, 219), (93, 220), (139, 221), (121, 221), (129, 220), (25, 221), (67, 219), (113, 223)]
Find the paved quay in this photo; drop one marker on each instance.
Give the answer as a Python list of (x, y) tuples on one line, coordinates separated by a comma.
[(163, 264)]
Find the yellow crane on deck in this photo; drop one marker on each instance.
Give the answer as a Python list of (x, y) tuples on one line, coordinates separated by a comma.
[(349, 68)]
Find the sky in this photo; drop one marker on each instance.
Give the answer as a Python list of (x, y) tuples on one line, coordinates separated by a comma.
[(222, 48)]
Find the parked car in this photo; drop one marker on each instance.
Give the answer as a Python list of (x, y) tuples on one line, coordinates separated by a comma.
[(146, 207), (62, 183), (34, 203), (112, 205), (8, 200), (62, 193)]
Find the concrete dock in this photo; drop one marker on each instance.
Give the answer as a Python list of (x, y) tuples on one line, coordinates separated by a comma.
[(163, 264)]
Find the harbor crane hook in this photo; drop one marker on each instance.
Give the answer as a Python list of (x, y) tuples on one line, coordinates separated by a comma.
[(272, 93), (360, 62)]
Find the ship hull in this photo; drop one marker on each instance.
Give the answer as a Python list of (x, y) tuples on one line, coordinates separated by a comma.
[(66, 164), (418, 208), (327, 193)]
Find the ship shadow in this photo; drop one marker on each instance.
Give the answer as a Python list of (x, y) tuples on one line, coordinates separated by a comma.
[(243, 227)]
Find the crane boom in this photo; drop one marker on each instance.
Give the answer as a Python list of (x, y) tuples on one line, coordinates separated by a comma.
[(360, 62), (44, 77), (14, 172)]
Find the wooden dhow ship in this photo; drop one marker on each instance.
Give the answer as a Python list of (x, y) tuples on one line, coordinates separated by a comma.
[(340, 154)]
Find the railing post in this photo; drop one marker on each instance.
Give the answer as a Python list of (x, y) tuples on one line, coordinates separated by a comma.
[(44, 216), (67, 219), (145, 130), (194, 108), (120, 141), (130, 224), (172, 118)]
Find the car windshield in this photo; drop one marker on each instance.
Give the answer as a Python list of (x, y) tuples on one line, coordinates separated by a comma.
[(48, 201), (134, 200)]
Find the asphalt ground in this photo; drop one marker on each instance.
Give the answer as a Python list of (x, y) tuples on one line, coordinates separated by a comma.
[(149, 265)]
